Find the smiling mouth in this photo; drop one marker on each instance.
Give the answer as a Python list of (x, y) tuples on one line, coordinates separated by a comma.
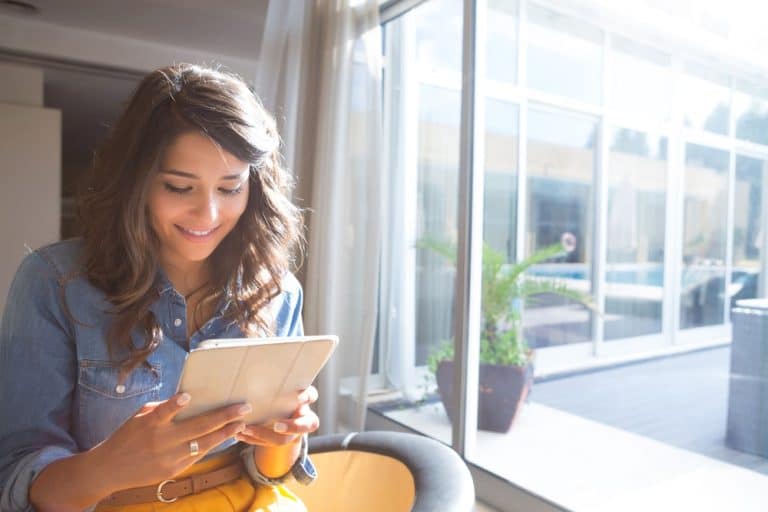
[(196, 232)]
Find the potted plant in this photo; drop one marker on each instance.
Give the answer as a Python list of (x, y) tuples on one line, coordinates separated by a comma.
[(506, 360)]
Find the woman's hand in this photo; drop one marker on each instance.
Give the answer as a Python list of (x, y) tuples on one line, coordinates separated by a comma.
[(277, 442), (151, 447), (148, 448)]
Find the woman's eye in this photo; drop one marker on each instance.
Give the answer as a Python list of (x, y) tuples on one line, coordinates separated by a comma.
[(231, 191), (176, 190)]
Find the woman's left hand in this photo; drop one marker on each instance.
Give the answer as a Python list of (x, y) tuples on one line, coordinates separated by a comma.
[(285, 431)]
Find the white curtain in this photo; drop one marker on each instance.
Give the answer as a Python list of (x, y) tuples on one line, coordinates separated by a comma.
[(320, 72)]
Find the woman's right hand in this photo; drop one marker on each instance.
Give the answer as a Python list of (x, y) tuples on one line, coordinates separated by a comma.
[(150, 447)]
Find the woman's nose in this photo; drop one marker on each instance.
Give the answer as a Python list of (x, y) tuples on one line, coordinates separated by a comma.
[(208, 209)]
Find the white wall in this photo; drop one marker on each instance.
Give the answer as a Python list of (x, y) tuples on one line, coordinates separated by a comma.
[(30, 169)]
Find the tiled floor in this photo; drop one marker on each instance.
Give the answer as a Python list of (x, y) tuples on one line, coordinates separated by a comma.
[(680, 400), (583, 465), (647, 436)]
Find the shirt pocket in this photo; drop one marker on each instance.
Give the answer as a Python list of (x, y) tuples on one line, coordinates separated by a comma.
[(106, 401)]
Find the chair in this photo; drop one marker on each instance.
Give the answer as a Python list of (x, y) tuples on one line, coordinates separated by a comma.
[(386, 471)]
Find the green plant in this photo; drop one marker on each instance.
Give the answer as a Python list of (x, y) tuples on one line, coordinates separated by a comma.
[(505, 289)]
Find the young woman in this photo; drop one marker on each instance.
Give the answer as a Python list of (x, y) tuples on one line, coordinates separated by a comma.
[(187, 236)]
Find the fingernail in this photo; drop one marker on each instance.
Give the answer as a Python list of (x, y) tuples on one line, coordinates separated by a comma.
[(280, 428), (303, 396), (245, 409), (240, 428), (183, 399)]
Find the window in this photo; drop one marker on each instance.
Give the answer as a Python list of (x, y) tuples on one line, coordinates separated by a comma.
[(637, 188), (564, 56), (561, 163), (641, 81), (643, 171), (706, 101), (706, 201), (751, 111), (748, 215)]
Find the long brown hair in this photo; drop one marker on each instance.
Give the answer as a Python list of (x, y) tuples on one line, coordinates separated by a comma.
[(120, 252)]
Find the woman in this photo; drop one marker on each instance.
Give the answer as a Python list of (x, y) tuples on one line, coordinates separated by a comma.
[(187, 233)]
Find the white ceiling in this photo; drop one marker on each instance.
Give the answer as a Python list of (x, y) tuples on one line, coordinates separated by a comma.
[(226, 27)]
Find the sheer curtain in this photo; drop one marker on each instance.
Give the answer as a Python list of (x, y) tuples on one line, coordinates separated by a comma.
[(320, 72)]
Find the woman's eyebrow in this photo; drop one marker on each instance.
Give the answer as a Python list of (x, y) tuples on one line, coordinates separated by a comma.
[(184, 174)]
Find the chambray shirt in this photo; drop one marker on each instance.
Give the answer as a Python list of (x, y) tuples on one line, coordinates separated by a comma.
[(59, 388)]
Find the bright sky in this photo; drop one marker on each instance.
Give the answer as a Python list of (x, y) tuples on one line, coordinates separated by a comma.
[(744, 20)]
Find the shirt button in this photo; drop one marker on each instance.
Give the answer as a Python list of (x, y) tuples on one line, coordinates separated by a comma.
[(120, 389), (177, 322)]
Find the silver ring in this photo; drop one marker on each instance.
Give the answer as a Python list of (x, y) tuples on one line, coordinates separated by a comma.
[(194, 448)]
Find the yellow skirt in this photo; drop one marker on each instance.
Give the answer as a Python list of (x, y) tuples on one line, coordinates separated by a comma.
[(240, 495)]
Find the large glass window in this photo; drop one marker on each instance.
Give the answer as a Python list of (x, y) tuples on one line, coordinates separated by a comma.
[(564, 56), (422, 101), (637, 178), (748, 215), (501, 153), (561, 162), (501, 57), (437, 192), (437, 24), (704, 236), (705, 99), (750, 106), (639, 175), (641, 81)]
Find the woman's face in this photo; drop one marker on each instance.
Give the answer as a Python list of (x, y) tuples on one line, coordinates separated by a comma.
[(195, 199)]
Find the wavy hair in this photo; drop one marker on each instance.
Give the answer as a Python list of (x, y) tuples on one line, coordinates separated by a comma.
[(121, 251)]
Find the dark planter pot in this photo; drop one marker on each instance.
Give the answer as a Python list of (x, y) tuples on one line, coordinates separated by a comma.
[(502, 390)]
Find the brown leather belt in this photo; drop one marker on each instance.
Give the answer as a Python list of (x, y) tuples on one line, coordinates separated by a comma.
[(169, 491)]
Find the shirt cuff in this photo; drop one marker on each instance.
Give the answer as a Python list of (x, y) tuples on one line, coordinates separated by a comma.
[(14, 495), (302, 470)]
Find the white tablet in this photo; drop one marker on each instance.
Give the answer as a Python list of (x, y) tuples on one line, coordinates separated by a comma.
[(266, 372)]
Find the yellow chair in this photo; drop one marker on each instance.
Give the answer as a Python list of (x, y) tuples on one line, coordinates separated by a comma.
[(386, 471)]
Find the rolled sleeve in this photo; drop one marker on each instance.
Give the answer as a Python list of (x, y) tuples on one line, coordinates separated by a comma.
[(303, 470), (23, 473), (38, 369)]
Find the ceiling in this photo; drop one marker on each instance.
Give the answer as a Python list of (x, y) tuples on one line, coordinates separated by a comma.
[(91, 99), (226, 27)]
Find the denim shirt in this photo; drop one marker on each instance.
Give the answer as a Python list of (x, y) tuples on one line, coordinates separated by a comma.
[(60, 392)]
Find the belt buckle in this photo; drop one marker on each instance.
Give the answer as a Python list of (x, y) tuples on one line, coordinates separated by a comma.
[(159, 494)]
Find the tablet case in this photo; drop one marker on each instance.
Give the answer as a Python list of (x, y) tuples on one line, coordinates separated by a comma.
[(268, 373)]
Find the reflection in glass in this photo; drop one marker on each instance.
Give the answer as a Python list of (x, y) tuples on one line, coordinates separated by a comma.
[(747, 227), (561, 160), (501, 147), (423, 152), (438, 27), (438, 150), (705, 103), (564, 56), (640, 81), (751, 113), (501, 45), (704, 230), (637, 177)]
